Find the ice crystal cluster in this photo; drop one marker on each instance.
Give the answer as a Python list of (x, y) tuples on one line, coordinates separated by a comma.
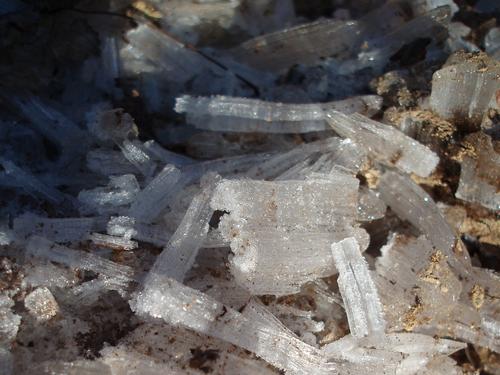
[(250, 187)]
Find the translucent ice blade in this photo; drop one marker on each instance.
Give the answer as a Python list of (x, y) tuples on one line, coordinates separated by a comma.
[(180, 305), (155, 197), (42, 248), (410, 202), (465, 88), (30, 183), (180, 252), (159, 48), (223, 113), (361, 300), (385, 143)]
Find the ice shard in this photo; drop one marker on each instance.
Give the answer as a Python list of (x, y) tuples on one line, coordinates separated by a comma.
[(120, 191), (41, 304), (40, 247), (308, 43), (466, 87), (422, 293), (156, 46), (278, 225), (480, 172), (222, 113), (30, 183), (180, 252), (410, 202), (363, 306), (385, 143), (259, 333), (155, 197)]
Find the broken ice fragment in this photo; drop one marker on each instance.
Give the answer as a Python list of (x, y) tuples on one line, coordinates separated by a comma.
[(480, 172), (134, 152), (286, 225), (293, 164), (120, 191), (41, 304), (424, 6), (281, 262), (155, 197), (124, 361), (6, 236), (112, 242), (370, 206), (166, 156), (78, 367), (109, 162), (30, 183), (385, 143), (424, 294), (307, 43), (127, 228), (361, 301), (180, 252), (42, 248), (259, 333), (179, 62), (379, 34), (378, 51), (122, 226), (466, 87), (52, 124), (223, 113), (313, 203), (394, 353), (410, 202), (89, 292)]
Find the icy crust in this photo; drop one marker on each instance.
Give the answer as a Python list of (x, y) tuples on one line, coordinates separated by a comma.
[(466, 87), (223, 113)]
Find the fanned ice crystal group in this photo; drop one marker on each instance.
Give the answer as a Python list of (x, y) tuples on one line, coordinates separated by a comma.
[(240, 187)]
